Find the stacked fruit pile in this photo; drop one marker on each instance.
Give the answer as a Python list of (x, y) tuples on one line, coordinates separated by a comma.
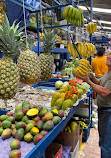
[(67, 94), (91, 27), (29, 122), (82, 68), (73, 15), (85, 49)]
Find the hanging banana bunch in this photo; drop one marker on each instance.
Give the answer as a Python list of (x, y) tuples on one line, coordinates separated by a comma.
[(91, 27), (73, 15)]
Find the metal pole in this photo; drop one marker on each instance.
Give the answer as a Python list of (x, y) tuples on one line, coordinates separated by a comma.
[(38, 33), (91, 18)]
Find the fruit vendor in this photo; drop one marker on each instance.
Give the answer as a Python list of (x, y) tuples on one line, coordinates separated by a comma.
[(103, 89), (99, 63)]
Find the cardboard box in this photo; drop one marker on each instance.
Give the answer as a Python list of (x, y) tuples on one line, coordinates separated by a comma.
[(68, 138), (75, 153), (83, 111), (80, 136), (54, 150)]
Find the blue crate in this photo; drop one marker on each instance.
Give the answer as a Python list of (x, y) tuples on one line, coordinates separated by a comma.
[(3, 112), (86, 133)]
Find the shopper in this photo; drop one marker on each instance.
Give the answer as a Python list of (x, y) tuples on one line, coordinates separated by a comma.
[(99, 63), (103, 89)]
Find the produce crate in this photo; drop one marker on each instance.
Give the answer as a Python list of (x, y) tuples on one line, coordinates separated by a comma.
[(86, 133)]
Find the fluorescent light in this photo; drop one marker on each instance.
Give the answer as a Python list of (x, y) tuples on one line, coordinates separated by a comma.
[(105, 22), (102, 10)]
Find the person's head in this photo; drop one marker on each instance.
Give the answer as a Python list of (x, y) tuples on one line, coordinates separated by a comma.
[(100, 51), (108, 61)]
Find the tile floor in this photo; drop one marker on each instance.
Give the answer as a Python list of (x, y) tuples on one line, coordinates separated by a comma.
[(91, 148)]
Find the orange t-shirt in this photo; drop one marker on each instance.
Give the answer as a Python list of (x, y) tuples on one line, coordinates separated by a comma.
[(99, 65)]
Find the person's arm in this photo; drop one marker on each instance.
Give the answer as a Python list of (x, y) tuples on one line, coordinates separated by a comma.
[(102, 91), (95, 80)]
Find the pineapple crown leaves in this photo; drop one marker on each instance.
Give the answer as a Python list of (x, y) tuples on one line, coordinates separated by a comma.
[(49, 40), (10, 38)]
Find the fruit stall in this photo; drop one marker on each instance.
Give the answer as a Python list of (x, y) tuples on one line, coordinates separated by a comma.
[(37, 109)]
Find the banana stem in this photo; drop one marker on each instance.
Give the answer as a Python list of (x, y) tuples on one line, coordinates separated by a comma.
[(5, 101)]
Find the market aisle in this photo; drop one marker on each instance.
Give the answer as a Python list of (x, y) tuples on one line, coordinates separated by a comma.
[(91, 148)]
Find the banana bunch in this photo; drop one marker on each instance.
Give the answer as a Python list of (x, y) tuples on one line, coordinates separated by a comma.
[(85, 49), (41, 36), (73, 15), (2, 10), (67, 129), (82, 68), (91, 27), (82, 124)]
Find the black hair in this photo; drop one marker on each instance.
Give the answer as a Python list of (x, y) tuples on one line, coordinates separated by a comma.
[(100, 51)]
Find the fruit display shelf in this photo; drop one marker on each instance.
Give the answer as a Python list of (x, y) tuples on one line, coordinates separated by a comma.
[(38, 151)]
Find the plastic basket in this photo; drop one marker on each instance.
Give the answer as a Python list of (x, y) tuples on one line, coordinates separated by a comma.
[(86, 133)]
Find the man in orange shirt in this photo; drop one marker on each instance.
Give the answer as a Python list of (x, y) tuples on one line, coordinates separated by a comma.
[(99, 63)]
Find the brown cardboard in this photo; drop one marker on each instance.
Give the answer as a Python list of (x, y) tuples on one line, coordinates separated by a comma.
[(80, 137), (68, 138), (54, 150)]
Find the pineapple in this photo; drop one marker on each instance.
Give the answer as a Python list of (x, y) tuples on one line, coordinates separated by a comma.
[(46, 58), (10, 41), (29, 67)]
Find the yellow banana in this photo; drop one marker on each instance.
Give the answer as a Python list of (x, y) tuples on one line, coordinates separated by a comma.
[(82, 70), (84, 60), (83, 66)]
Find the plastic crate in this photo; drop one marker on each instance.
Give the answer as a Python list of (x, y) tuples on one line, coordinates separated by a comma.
[(3, 112), (86, 133)]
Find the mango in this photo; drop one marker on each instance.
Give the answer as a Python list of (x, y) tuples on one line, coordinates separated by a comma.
[(13, 126), (73, 126), (21, 125), (55, 96), (6, 124), (28, 137), (34, 131), (32, 112), (63, 95), (11, 119), (37, 138), (61, 113), (54, 107), (25, 110), (31, 121), (18, 108), (48, 116), (14, 132), (9, 113), (15, 154), (48, 125), (18, 115), (1, 130), (15, 144), (25, 104), (43, 112), (43, 132), (40, 124), (36, 119), (3, 117), (54, 111), (80, 92), (59, 102), (6, 133), (64, 87), (61, 91), (19, 134), (29, 127), (25, 118), (56, 119), (74, 98), (67, 104)]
